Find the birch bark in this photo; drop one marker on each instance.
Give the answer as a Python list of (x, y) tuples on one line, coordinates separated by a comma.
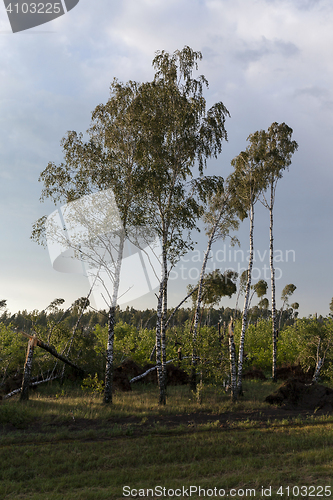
[(111, 322), (197, 309), (271, 262), (232, 356), (245, 308), (320, 361), (161, 331), (228, 222), (158, 342)]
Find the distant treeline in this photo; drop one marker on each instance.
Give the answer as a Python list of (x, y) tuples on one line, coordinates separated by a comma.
[(23, 320)]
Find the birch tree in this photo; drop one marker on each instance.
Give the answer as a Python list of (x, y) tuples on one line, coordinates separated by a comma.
[(144, 144), (246, 183), (220, 219), (285, 295), (107, 160), (314, 342), (176, 135), (274, 149), (259, 288), (232, 357)]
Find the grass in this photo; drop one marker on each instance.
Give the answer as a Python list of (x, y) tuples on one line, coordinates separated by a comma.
[(57, 403), (96, 463)]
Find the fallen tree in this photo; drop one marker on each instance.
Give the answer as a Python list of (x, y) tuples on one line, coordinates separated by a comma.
[(33, 342), (51, 349), (16, 391)]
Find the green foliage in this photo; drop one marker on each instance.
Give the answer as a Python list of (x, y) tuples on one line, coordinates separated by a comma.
[(307, 334), (287, 292), (211, 351), (247, 181), (274, 149), (297, 343), (260, 288), (129, 342), (258, 345), (12, 350), (216, 286), (92, 384)]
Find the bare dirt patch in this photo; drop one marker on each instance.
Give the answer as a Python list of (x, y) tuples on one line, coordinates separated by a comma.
[(254, 374)]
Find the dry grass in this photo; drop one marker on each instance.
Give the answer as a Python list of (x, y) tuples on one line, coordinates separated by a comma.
[(59, 464)]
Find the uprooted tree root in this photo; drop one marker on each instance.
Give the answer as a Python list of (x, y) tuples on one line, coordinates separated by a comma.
[(295, 393)]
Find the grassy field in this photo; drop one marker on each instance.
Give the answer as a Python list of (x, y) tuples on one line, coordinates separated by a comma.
[(64, 444)]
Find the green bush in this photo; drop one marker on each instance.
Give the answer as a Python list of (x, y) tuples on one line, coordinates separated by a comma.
[(305, 335), (12, 350), (258, 345)]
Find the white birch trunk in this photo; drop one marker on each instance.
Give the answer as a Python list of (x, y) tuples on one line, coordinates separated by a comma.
[(197, 311), (158, 343), (320, 362), (163, 342), (232, 355), (159, 326), (111, 321), (199, 297), (316, 374), (271, 261), (246, 305), (160, 333)]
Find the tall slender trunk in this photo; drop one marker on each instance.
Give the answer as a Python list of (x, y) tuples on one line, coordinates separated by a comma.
[(111, 322), (246, 305), (158, 340), (28, 369), (199, 298), (236, 306), (153, 352), (271, 261), (163, 339), (197, 311), (232, 356), (160, 331)]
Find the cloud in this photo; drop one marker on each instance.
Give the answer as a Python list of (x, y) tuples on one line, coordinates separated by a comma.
[(256, 50), (266, 60), (320, 94)]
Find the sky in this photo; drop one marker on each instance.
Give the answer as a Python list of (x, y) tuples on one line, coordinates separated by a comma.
[(266, 60)]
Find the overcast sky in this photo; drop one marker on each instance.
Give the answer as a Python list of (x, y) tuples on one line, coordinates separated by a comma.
[(267, 60)]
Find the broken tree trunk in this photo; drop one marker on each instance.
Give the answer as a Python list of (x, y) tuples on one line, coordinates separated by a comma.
[(320, 362), (16, 391), (27, 368), (52, 350)]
